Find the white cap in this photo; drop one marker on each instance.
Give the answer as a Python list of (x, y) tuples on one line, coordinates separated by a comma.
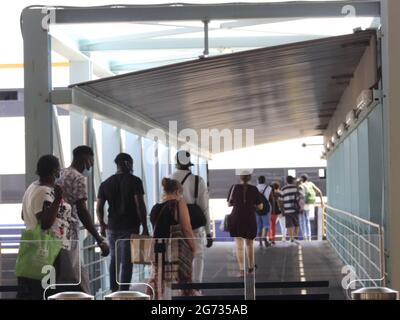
[(244, 172)]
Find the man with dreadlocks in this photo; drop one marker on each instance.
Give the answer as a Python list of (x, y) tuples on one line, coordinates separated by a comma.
[(126, 213)]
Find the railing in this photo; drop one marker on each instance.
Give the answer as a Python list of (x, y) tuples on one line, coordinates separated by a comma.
[(359, 243), (97, 267)]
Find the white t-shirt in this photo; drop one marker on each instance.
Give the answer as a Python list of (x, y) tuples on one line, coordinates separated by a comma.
[(32, 204), (189, 190), (266, 189), (267, 192)]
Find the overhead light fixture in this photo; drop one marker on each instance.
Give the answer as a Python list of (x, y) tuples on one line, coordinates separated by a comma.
[(340, 130), (350, 119), (364, 100), (328, 147), (334, 139)]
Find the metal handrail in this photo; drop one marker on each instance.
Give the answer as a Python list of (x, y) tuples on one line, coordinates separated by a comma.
[(380, 233), (372, 224)]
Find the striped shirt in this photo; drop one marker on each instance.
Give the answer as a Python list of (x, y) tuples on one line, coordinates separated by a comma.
[(291, 194)]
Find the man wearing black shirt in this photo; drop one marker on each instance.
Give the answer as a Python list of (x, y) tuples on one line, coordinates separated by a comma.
[(127, 211)]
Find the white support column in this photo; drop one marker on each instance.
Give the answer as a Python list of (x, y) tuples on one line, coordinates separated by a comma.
[(133, 146), (111, 143), (391, 105), (37, 86), (79, 71)]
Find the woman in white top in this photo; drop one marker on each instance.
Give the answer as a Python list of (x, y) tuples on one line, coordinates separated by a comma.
[(42, 203)]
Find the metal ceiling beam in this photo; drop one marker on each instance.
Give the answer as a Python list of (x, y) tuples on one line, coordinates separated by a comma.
[(253, 22), (197, 43), (144, 35), (73, 54), (175, 12), (112, 113)]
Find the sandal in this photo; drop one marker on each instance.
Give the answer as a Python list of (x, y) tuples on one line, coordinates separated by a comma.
[(251, 270), (240, 274)]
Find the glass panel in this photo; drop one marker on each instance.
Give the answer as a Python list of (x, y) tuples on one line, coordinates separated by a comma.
[(44, 268), (132, 145), (167, 269), (163, 158), (149, 170)]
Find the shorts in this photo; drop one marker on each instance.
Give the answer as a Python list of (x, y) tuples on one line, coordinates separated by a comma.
[(262, 222), (292, 220)]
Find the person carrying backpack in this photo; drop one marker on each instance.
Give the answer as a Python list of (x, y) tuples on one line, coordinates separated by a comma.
[(195, 193), (263, 215), (310, 193), (275, 211)]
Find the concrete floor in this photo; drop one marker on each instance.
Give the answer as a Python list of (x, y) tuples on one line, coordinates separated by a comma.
[(285, 262)]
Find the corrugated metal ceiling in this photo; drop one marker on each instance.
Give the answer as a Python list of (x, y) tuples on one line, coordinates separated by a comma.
[(282, 92)]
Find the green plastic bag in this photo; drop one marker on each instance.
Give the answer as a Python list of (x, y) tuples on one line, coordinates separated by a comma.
[(310, 194), (38, 248)]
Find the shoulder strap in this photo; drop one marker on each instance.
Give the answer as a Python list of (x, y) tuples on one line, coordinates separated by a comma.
[(265, 189), (230, 193), (159, 215), (196, 188), (176, 213), (185, 178)]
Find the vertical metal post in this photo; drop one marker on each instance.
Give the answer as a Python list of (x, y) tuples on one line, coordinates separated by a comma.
[(79, 71), (157, 178), (391, 99), (382, 255), (206, 50), (37, 86), (57, 143)]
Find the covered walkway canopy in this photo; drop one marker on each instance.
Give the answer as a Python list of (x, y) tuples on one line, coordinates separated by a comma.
[(281, 92)]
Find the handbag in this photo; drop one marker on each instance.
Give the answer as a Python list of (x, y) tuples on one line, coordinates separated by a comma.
[(176, 258), (38, 248), (225, 224), (180, 255), (197, 216), (141, 246)]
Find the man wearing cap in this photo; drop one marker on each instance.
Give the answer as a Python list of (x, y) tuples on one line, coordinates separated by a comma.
[(190, 183), (126, 213)]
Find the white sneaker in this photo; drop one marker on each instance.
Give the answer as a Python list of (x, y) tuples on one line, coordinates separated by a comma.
[(197, 293)]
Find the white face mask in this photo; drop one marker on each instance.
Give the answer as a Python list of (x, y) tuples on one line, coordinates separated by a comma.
[(87, 172)]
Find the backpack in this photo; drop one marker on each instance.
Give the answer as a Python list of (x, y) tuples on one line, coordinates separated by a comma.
[(266, 205), (309, 191), (197, 217)]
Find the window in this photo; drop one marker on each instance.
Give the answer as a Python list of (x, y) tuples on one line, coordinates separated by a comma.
[(8, 95), (292, 172)]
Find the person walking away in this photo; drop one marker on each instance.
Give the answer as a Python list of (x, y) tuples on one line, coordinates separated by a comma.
[(290, 206), (171, 211), (274, 197), (310, 192), (202, 233), (73, 181), (126, 213), (43, 203), (245, 199), (264, 215)]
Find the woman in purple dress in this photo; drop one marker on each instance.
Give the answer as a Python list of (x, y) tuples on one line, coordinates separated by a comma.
[(244, 198)]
